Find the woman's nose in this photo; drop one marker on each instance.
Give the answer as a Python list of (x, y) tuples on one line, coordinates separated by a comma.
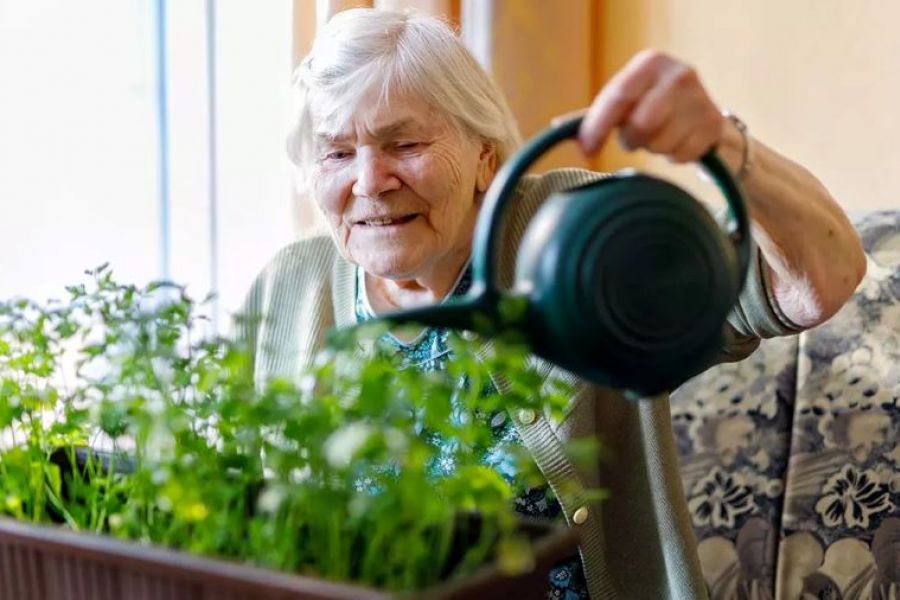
[(375, 175)]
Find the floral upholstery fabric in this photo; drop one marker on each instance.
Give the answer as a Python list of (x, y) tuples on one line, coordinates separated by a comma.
[(791, 459)]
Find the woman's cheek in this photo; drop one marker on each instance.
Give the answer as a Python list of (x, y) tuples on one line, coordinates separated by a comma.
[(447, 167), (433, 174), (330, 189)]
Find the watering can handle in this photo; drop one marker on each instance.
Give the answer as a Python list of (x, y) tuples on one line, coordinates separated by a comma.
[(496, 202)]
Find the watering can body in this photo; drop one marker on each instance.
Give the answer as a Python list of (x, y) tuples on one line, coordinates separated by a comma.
[(625, 281), (626, 286)]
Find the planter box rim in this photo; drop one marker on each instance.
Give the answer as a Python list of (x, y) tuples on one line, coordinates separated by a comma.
[(183, 565), (167, 562)]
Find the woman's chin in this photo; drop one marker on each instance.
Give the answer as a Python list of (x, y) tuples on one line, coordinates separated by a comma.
[(390, 260), (389, 265)]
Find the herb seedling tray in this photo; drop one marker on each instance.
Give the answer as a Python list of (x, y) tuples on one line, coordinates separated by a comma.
[(51, 563)]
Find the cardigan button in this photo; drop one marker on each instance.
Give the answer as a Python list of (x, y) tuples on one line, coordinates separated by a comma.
[(527, 416), (580, 515)]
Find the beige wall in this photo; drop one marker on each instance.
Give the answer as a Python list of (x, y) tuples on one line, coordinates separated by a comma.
[(818, 80), (544, 57)]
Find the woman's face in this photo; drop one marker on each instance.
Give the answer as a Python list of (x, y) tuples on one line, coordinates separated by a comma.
[(399, 187)]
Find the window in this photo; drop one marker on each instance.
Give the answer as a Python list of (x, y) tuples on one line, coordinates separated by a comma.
[(145, 133)]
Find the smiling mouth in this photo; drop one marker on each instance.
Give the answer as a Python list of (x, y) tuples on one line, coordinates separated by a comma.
[(387, 221)]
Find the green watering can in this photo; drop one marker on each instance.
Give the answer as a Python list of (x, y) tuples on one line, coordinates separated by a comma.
[(626, 281)]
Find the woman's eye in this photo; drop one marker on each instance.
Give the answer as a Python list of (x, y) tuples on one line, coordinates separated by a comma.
[(338, 155), (406, 145)]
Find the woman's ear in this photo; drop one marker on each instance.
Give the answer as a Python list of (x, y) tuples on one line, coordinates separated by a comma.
[(487, 166)]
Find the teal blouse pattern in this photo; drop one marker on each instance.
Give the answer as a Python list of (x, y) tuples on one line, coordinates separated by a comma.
[(429, 351)]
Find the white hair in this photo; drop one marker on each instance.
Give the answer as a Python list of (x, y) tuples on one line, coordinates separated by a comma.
[(364, 50)]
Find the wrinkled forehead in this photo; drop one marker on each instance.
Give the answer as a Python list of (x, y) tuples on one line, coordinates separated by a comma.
[(376, 113)]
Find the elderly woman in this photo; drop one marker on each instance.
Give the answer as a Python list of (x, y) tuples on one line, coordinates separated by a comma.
[(400, 132)]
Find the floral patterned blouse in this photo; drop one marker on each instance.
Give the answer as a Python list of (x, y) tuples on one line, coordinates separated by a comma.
[(429, 351)]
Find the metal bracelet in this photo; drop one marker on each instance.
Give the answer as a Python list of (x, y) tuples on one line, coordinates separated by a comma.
[(747, 150)]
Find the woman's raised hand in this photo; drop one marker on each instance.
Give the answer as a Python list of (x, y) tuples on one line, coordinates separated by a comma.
[(657, 103)]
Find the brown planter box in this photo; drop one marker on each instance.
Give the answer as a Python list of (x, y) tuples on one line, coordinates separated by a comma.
[(49, 563)]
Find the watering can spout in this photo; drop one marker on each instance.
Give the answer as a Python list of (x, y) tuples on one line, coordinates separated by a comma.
[(450, 315), (474, 312)]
